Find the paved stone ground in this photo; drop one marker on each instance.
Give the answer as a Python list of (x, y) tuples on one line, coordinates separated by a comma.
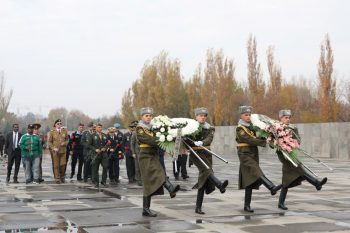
[(78, 207)]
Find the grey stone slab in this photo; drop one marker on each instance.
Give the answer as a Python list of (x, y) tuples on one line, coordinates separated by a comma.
[(297, 227), (16, 209), (25, 221), (118, 229), (107, 216), (90, 204), (170, 225)]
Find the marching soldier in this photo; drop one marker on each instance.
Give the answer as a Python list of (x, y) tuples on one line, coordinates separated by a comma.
[(58, 143), (120, 138), (152, 171), (129, 159), (293, 176), (97, 144), (86, 152), (206, 179), (77, 151), (250, 173), (135, 153), (113, 167)]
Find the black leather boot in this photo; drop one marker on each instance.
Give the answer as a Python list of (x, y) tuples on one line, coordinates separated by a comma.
[(146, 207), (15, 180), (171, 189), (312, 179), (247, 200), (269, 185), (221, 186), (282, 199), (199, 201)]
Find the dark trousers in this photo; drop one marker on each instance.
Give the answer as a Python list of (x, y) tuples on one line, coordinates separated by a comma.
[(87, 168), (2, 150), (77, 156), (161, 159), (113, 167), (14, 158), (181, 166), (130, 167), (101, 159)]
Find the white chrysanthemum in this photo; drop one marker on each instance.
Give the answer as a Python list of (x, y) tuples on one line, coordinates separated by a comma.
[(169, 138), (162, 130), (257, 122), (158, 134), (191, 126), (162, 138)]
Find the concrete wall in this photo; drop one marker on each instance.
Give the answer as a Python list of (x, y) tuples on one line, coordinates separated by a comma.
[(324, 140)]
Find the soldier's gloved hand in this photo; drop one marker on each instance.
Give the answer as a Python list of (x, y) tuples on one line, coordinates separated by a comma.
[(98, 150), (134, 156), (71, 152), (198, 143), (111, 150), (55, 149)]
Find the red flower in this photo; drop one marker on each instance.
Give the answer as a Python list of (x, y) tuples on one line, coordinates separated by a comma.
[(73, 143), (109, 142), (126, 148), (72, 136)]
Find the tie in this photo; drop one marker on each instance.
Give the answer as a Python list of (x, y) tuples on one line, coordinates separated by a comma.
[(15, 141)]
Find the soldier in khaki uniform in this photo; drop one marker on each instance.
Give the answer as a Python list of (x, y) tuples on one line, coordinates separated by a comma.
[(250, 173), (58, 140), (206, 179), (152, 172), (293, 176)]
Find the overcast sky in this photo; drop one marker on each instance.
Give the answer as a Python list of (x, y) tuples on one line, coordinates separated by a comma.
[(83, 54)]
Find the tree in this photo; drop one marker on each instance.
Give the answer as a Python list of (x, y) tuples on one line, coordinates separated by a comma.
[(256, 84), (327, 84), (5, 98), (193, 90), (75, 117)]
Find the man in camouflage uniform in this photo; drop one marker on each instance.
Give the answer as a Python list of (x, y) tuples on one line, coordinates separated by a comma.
[(97, 144), (250, 173), (293, 176), (87, 158), (152, 171), (206, 179), (58, 140)]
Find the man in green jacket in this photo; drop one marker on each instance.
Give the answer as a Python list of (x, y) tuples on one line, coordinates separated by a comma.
[(31, 148), (250, 174)]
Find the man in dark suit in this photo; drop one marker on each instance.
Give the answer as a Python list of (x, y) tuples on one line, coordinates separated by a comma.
[(13, 152)]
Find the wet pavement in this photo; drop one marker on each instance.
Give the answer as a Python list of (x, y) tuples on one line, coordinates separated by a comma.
[(79, 207)]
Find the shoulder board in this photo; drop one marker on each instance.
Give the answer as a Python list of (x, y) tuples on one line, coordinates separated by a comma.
[(142, 130), (247, 131)]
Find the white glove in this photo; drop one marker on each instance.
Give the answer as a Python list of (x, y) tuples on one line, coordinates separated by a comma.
[(198, 143)]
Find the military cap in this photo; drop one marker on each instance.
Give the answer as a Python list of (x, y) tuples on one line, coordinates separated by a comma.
[(133, 124), (111, 129), (284, 112), (146, 110), (57, 121), (37, 125), (116, 125), (90, 124), (30, 126), (245, 109), (201, 110)]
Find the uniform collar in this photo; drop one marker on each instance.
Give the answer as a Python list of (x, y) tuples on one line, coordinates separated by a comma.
[(244, 123)]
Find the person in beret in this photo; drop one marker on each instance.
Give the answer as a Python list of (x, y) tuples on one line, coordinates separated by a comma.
[(207, 181), (58, 140), (293, 176), (31, 148), (152, 172), (250, 174)]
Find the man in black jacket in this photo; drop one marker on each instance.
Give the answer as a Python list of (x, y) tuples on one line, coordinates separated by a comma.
[(14, 152)]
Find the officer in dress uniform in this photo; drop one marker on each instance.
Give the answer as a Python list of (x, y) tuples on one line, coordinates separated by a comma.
[(152, 172), (97, 144), (206, 179), (129, 159), (293, 176), (58, 141), (77, 150), (113, 165), (86, 151), (250, 173)]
